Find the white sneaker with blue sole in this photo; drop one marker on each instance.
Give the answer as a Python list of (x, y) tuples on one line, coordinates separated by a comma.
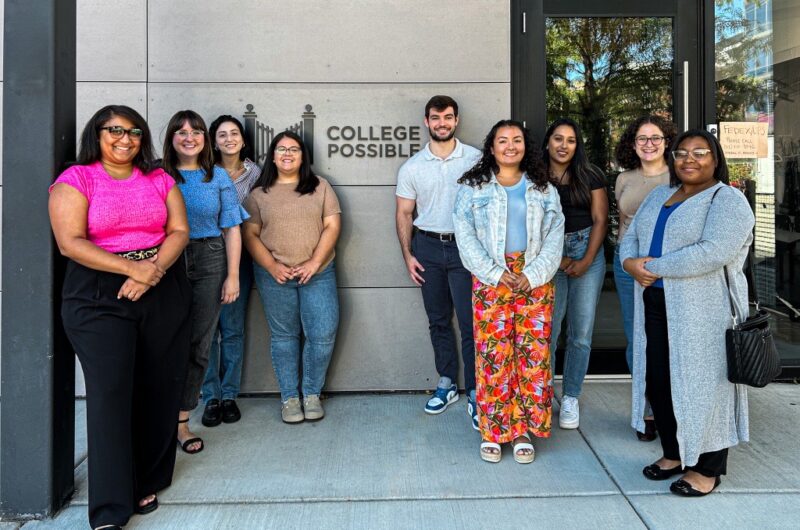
[(441, 398)]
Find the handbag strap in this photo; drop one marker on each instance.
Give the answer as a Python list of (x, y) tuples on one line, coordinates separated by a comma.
[(751, 259)]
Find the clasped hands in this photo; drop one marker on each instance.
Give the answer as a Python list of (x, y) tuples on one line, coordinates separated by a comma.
[(515, 282), (302, 273), (142, 275), (635, 267)]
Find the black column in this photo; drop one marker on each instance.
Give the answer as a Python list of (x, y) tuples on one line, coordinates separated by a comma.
[(37, 410)]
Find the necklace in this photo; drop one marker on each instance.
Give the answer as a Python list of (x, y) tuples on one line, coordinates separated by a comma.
[(560, 179), (238, 170)]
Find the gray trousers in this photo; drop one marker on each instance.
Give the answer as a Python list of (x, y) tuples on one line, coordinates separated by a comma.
[(206, 268)]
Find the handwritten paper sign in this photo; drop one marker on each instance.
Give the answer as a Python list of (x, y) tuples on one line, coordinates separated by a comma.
[(743, 139)]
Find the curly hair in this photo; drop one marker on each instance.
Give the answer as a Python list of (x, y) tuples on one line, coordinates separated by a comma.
[(531, 162), (625, 153)]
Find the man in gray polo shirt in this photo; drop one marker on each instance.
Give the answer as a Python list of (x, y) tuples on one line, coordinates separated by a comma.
[(427, 181)]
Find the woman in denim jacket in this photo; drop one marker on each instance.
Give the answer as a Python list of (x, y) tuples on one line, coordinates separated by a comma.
[(510, 231)]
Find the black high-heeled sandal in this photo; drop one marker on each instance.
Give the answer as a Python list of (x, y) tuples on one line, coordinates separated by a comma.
[(150, 507), (190, 441)]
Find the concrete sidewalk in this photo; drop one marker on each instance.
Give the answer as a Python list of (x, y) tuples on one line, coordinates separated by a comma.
[(377, 461)]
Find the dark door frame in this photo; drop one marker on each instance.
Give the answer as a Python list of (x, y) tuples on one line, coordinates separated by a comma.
[(693, 35)]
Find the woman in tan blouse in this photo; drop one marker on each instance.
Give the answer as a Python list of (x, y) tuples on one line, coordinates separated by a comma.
[(291, 234), (642, 151)]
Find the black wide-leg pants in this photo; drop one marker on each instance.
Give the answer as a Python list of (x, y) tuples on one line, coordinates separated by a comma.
[(134, 357), (659, 390)]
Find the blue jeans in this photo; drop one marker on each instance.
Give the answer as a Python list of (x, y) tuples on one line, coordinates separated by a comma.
[(448, 286), (224, 374), (311, 309), (624, 283), (576, 298)]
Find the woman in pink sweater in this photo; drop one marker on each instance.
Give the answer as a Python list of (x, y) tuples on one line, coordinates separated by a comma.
[(125, 308)]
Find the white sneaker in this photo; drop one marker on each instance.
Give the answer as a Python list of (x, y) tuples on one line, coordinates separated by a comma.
[(570, 415)]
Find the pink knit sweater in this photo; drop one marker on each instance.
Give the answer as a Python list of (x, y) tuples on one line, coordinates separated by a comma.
[(123, 215)]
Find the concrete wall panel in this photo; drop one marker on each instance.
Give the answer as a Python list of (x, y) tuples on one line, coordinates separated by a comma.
[(336, 107), (383, 344), (112, 40), (344, 41), (92, 96), (368, 254)]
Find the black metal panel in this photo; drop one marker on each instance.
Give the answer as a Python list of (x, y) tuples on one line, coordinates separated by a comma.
[(37, 429), (528, 67), (617, 8)]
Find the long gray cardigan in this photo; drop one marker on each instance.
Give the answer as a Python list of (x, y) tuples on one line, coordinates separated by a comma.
[(700, 239)]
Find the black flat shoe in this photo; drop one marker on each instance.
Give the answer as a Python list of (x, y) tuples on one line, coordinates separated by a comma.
[(150, 507), (653, 472), (212, 415), (683, 489), (649, 433), (230, 412)]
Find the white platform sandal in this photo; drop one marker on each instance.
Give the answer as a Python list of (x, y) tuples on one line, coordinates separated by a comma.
[(491, 452)]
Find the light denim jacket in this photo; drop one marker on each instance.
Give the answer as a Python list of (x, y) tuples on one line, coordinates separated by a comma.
[(480, 218)]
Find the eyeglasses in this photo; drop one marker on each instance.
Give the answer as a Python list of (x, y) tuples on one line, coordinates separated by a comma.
[(697, 154), (291, 150), (118, 132), (184, 134), (655, 140)]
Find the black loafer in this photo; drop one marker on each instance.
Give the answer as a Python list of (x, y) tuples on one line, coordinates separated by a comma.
[(649, 433), (683, 489), (212, 415), (230, 412), (653, 472), (150, 507)]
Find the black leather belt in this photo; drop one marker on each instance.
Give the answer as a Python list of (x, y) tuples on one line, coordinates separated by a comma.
[(437, 235)]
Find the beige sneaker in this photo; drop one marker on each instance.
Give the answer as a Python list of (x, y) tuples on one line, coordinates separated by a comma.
[(291, 411), (312, 408)]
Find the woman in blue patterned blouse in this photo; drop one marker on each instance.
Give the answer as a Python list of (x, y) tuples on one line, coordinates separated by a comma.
[(215, 243)]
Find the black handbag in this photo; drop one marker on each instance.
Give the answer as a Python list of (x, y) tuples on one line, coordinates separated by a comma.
[(753, 359)]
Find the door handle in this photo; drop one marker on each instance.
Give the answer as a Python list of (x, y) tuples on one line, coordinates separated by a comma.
[(685, 95)]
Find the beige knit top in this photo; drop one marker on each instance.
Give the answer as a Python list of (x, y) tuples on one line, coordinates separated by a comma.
[(291, 224), (630, 190)]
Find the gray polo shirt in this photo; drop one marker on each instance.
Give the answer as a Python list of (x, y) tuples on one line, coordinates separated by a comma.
[(432, 183)]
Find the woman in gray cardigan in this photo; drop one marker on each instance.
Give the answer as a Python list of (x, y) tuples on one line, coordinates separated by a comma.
[(682, 239)]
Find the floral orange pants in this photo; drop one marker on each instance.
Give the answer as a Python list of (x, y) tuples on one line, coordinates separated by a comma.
[(514, 388)]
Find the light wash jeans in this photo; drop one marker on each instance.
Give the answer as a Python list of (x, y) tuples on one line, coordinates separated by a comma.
[(576, 298), (624, 283), (311, 309), (224, 374)]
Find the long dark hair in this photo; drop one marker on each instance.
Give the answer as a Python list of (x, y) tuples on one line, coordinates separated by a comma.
[(531, 162), (625, 153), (89, 151), (720, 172), (269, 175), (580, 170), (212, 132), (205, 159)]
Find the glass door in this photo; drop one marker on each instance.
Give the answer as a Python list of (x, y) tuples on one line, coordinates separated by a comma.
[(605, 66)]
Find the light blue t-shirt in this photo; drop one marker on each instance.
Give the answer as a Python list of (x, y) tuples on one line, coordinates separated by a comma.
[(210, 206), (433, 184), (516, 219)]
